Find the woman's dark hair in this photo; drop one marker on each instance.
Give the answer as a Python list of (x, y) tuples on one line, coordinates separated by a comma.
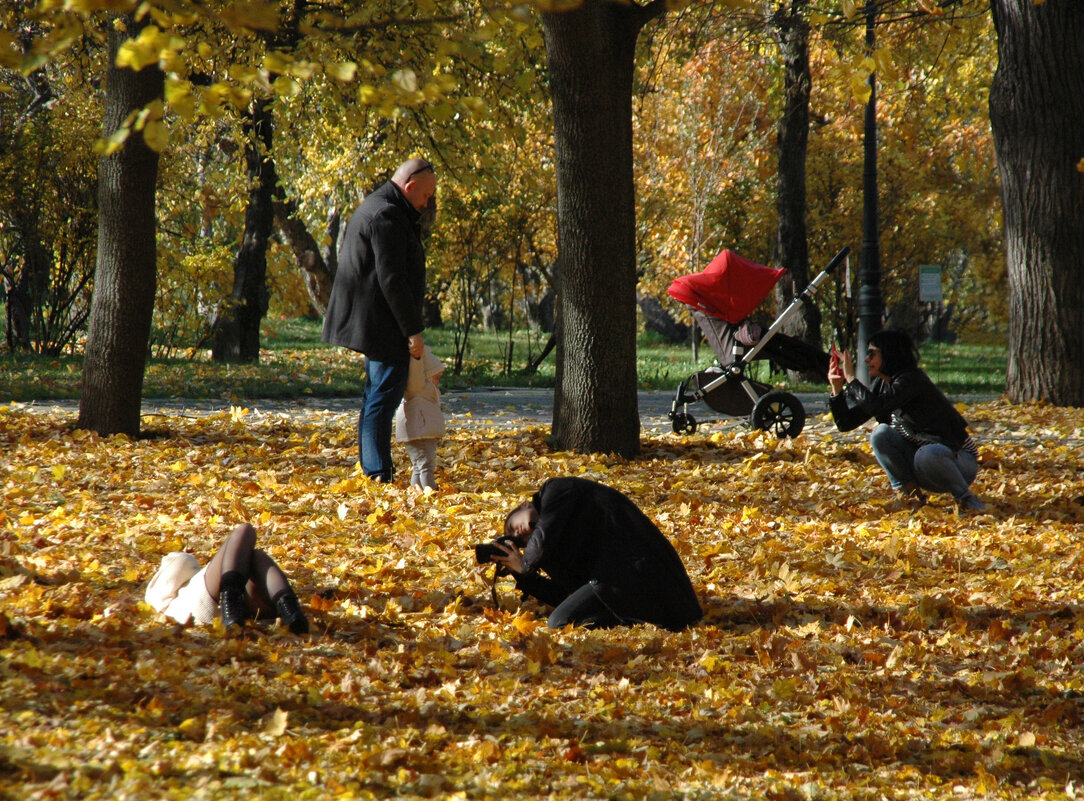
[(507, 520), (898, 352)]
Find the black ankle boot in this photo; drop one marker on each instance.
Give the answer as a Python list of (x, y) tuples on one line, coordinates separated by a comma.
[(289, 609), (232, 605)]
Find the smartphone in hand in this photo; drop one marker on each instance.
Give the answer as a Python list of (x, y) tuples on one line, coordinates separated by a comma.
[(833, 360)]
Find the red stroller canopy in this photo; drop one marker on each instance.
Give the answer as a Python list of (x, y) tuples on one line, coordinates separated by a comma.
[(730, 288)]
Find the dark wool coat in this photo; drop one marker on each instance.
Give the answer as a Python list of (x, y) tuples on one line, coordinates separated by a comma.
[(379, 290), (921, 407), (589, 532)]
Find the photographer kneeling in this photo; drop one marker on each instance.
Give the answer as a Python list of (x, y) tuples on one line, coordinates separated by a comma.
[(607, 564)]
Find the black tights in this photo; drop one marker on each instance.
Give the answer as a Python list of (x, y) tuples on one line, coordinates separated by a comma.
[(263, 579)]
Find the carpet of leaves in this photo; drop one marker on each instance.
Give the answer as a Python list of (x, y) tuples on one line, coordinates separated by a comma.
[(849, 649)]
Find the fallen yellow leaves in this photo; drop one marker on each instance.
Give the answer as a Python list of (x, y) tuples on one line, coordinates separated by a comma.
[(848, 650)]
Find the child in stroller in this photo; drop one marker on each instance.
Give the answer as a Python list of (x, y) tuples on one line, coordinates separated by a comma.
[(721, 298)]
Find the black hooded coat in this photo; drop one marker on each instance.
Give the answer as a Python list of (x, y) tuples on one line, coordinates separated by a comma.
[(591, 533)]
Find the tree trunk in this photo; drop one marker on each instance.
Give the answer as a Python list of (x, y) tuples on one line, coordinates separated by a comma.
[(26, 299), (431, 313), (1036, 111), (17, 306), (536, 362), (792, 247), (658, 319), (25, 289), (126, 271), (590, 51), (237, 325), (314, 267), (28, 287)]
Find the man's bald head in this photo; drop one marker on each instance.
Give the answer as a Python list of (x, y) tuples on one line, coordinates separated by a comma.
[(410, 169), (417, 180)]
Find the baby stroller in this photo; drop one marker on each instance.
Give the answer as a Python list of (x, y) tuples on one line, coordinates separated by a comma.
[(721, 299)]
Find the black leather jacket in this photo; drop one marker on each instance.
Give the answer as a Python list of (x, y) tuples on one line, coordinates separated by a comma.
[(920, 406)]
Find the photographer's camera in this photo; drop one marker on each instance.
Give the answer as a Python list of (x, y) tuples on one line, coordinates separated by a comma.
[(484, 552)]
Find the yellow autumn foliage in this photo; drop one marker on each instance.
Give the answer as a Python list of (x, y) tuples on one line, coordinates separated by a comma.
[(848, 650)]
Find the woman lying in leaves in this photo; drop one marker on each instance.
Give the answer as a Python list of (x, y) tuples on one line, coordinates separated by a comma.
[(921, 440), (239, 582), (606, 563)]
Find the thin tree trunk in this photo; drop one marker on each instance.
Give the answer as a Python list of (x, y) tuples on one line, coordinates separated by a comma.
[(25, 290), (237, 326), (658, 319), (535, 363), (1036, 111), (792, 246), (314, 266), (27, 295), (26, 299), (126, 273)]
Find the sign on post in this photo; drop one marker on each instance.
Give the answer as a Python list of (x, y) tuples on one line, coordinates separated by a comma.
[(929, 283)]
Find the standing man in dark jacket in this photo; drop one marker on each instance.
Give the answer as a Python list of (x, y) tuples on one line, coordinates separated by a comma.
[(606, 563), (376, 302)]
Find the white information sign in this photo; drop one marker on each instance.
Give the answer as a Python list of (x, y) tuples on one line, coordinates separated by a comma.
[(929, 283)]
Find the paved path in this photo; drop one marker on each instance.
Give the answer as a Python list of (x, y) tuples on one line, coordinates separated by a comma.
[(491, 407), (504, 407)]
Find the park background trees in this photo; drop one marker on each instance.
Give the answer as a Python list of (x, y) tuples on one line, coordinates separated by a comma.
[(471, 89)]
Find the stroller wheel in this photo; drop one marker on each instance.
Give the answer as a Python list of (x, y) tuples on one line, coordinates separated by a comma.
[(778, 412), (684, 423)]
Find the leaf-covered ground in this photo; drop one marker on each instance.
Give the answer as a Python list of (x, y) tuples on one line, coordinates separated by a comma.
[(849, 649)]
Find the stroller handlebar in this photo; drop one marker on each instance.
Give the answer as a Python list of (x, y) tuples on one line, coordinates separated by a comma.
[(796, 304), (838, 258), (822, 276)]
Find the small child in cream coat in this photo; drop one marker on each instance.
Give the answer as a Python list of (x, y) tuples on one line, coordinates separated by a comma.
[(419, 422)]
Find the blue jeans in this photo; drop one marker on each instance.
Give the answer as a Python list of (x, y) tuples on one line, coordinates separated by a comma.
[(933, 467), (385, 383)]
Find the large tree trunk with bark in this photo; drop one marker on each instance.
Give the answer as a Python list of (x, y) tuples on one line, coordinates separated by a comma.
[(591, 51), (1037, 114), (126, 271), (237, 325), (791, 31)]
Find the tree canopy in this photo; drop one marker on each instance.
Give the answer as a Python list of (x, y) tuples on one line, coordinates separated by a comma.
[(355, 90)]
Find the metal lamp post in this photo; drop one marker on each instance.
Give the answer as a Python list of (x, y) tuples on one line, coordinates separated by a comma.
[(869, 275)]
